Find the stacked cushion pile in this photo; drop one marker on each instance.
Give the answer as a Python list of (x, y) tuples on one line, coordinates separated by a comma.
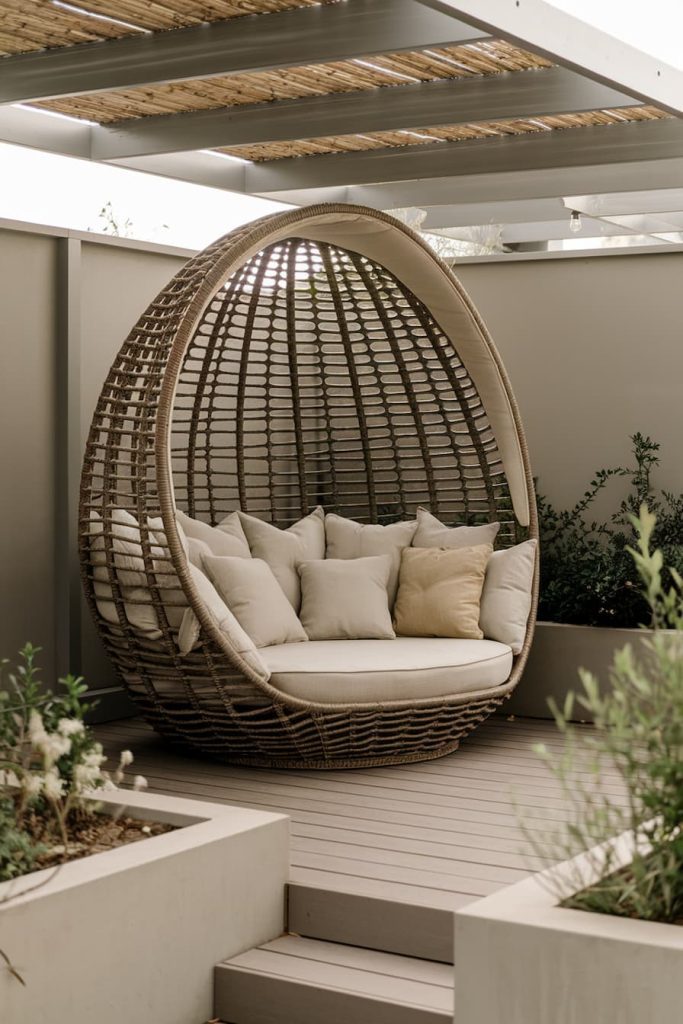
[(339, 588)]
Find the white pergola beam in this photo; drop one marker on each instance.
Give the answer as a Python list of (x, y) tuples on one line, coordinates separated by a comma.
[(306, 35), (624, 203), (457, 215), (428, 105), (500, 186), (38, 130), (543, 28)]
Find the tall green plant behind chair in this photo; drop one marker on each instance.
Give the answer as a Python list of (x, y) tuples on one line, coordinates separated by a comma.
[(588, 577)]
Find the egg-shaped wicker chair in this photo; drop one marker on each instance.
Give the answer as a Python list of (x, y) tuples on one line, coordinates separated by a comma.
[(318, 356)]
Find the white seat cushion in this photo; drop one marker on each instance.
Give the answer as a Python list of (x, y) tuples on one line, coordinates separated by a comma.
[(407, 668)]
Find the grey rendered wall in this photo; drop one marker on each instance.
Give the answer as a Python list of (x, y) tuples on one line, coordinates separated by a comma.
[(594, 348), (28, 268)]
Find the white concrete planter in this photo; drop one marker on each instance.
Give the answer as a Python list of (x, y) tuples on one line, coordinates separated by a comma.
[(557, 653), (522, 959), (131, 936)]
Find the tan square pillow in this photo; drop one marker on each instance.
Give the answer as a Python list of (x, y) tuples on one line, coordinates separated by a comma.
[(431, 533), (225, 539), (255, 598), (348, 539), (346, 599), (439, 592), (284, 550)]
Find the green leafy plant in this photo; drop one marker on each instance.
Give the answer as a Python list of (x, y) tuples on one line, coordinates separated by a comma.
[(626, 773), (50, 765), (50, 771), (588, 576)]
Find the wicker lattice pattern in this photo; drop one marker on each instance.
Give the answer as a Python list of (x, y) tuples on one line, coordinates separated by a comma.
[(286, 373)]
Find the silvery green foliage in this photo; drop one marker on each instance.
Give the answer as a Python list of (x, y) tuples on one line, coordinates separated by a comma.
[(638, 734)]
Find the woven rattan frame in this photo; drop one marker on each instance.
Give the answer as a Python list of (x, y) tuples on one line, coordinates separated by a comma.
[(275, 372)]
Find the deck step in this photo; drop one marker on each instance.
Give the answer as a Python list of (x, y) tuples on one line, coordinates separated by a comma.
[(387, 918), (295, 980)]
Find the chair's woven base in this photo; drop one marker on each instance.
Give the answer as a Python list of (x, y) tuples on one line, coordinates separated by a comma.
[(366, 762), (290, 737)]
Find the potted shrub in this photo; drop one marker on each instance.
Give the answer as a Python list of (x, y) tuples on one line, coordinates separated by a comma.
[(590, 603), (599, 937), (131, 933)]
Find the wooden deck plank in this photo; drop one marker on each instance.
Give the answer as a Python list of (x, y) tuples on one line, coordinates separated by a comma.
[(387, 964), (389, 987), (435, 835)]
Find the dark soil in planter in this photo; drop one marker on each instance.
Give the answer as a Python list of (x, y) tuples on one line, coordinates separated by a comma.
[(90, 834)]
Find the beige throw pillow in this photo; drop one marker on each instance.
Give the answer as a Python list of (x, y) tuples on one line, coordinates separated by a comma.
[(346, 599), (131, 574), (284, 550), (506, 597), (348, 539), (431, 533), (225, 539), (254, 596), (439, 592), (225, 622)]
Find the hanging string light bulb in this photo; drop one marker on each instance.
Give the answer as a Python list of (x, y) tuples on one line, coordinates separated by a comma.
[(575, 222)]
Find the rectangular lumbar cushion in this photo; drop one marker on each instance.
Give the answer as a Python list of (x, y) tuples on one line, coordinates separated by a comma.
[(439, 592), (346, 599), (284, 550), (348, 539), (507, 594), (432, 533), (256, 599), (227, 538)]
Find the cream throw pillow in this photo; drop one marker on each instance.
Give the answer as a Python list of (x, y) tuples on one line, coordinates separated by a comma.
[(346, 599), (225, 622), (225, 539), (348, 539), (506, 597), (431, 533), (254, 596), (129, 566), (284, 550), (439, 592)]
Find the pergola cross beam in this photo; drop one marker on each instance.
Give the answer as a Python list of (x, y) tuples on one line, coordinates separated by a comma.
[(305, 35), (431, 104)]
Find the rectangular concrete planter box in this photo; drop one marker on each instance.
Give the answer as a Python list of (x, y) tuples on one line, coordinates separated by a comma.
[(131, 936), (557, 653), (522, 959)]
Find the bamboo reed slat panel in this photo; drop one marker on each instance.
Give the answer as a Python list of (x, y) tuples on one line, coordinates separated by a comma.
[(448, 133), (387, 70), (27, 25)]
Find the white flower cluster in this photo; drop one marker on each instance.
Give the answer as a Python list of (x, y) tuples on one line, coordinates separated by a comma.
[(54, 745), (87, 773)]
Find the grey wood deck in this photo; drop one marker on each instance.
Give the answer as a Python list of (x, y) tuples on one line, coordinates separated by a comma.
[(437, 834)]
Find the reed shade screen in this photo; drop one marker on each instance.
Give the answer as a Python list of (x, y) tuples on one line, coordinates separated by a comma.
[(281, 369), (390, 70), (448, 133), (27, 25)]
